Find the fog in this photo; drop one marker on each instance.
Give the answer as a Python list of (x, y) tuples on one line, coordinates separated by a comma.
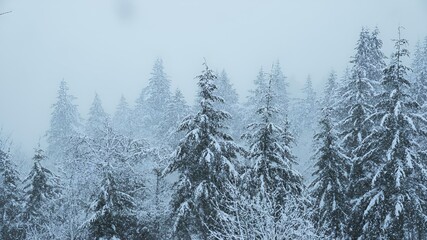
[(109, 47)]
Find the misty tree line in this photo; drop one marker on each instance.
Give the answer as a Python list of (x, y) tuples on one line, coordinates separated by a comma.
[(226, 170)]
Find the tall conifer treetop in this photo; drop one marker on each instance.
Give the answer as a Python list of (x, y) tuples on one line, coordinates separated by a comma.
[(390, 203), (64, 123), (206, 162)]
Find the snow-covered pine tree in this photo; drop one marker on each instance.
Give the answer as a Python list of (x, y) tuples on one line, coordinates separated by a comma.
[(357, 101), (41, 189), (158, 90), (177, 110), (206, 162), (252, 104), (231, 105), (309, 109), (368, 62), (98, 119), (121, 121), (356, 106), (139, 115), (419, 75), (357, 93), (113, 212), (330, 93), (261, 84), (390, 199), (153, 105), (114, 216), (10, 197), (64, 123), (375, 61), (226, 90), (270, 172), (329, 187), (279, 88)]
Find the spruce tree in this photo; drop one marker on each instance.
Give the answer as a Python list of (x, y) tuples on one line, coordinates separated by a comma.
[(226, 90), (357, 103), (64, 123), (419, 75), (139, 115), (390, 192), (206, 162), (177, 110), (158, 90), (270, 174), (231, 105), (375, 61), (252, 104), (114, 216), (330, 184), (10, 197), (41, 188), (279, 87), (98, 119), (309, 109), (330, 93), (151, 109), (113, 211), (359, 90), (122, 118)]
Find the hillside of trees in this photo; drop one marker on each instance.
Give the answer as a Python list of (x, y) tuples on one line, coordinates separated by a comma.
[(162, 168)]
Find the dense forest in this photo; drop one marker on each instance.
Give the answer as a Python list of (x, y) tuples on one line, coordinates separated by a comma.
[(223, 169)]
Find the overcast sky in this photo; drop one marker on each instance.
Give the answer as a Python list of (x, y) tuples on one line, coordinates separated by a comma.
[(109, 46)]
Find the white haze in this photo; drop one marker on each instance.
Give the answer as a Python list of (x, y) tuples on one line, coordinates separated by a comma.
[(109, 46)]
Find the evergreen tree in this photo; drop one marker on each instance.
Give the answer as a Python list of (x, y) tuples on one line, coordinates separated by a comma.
[(226, 90), (177, 110), (10, 197), (113, 216), (368, 61), (231, 104), (419, 75), (122, 118), (329, 187), (205, 161), (390, 199), (151, 106), (64, 123), (140, 115), (98, 119), (252, 104), (114, 200), (330, 93), (357, 95), (158, 90), (279, 87), (375, 62), (309, 107), (271, 173), (41, 188)]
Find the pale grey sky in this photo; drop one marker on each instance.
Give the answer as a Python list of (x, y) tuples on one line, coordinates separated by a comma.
[(109, 46)]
